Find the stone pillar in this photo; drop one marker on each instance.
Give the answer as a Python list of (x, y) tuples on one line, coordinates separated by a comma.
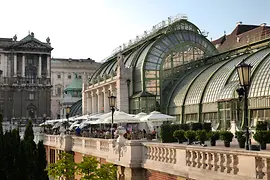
[(93, 102), (48, 66), (23, 65), (39, 66), (15, 65), (106, 100), (123, 74), (99, 99), (89, 103)]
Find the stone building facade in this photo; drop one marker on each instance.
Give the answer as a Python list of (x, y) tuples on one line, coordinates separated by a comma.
[(25, 78), (63, 72)]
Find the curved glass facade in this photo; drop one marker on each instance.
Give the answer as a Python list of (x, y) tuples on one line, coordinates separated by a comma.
[(209, 94), (180, 71)]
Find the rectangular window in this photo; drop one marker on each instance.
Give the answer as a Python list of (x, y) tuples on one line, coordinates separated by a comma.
[(80, 77), (69, 76), (59, 76), (31, 96), (59, 91)]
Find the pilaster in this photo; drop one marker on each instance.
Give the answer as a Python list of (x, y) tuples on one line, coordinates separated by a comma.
[(39, 66), (15, 65), (106, 100), (23, 65), (48, 66)]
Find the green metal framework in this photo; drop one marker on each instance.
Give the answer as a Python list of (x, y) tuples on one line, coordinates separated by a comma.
[(210, 90)]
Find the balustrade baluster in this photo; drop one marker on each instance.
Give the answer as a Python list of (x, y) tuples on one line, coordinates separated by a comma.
[(228, 163), (193, 158), (221, 162), (210, 160), (235, 164), (216, 162), (188, 157)]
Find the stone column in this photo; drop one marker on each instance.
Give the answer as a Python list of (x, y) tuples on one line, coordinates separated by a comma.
[(106, 100), (93, 102), (39, 66), (89, 103), (23, 65), (99, 98), (15, 65), (48, 66)]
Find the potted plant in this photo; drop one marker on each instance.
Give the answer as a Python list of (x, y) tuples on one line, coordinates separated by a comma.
[(227, 137), (261, 136), (241, 138), (190, 136), (179, 135), (213, 136), (201, 136)]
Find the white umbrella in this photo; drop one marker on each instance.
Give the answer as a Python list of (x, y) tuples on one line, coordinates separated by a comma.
[(74, 125), (84, 117), (58, 124), (140, 115), (121, 117), (156, 116), (72, 118)]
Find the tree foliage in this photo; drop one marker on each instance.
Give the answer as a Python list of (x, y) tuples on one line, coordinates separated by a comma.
[(89, 169), (20, 159), (64, 168)]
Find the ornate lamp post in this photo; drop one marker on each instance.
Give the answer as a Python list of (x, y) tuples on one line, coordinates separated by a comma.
[(112, 100), (243, 71)]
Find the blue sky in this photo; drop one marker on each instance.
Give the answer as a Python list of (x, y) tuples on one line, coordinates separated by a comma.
[(94, 28)]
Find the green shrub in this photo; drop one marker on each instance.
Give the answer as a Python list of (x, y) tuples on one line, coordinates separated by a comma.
[(195, 126), (241, 138), (184, 127), (201, 136), (207, 127), (165, 133), (226, 136), (190, 135), (262, 136), (261, 125), (179, 135), (213, 135)]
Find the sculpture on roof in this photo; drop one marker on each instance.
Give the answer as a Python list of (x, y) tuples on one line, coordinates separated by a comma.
[(48, 40), (15, 37)]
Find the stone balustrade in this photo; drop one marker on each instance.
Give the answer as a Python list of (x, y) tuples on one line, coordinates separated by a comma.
[(194, 162)]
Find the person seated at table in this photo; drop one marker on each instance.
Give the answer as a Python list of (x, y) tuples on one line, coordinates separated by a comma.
[(78, 131)]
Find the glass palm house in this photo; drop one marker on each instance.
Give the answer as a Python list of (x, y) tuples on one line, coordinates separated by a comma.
[(178, 71)]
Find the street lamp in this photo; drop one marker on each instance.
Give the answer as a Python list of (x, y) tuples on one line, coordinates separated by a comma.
[(243, 71), (112, 100)]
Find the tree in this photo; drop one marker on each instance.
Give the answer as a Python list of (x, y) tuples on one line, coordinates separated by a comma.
[(1, 125), (64, 168), (89, 170), (29, 133), (30, 151), (41, 162)]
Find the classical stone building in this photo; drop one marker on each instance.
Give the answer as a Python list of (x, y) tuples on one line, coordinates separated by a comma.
[(25, 78), (63, 72)]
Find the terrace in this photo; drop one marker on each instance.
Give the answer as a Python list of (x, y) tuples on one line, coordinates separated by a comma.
[(187, 161)]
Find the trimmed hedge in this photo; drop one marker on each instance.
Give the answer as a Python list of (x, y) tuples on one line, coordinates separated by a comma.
[(207, 127), (196, 126), (261, 126)]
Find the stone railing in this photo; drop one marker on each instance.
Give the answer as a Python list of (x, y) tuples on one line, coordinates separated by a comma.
[(191, 162), (198, 162)]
